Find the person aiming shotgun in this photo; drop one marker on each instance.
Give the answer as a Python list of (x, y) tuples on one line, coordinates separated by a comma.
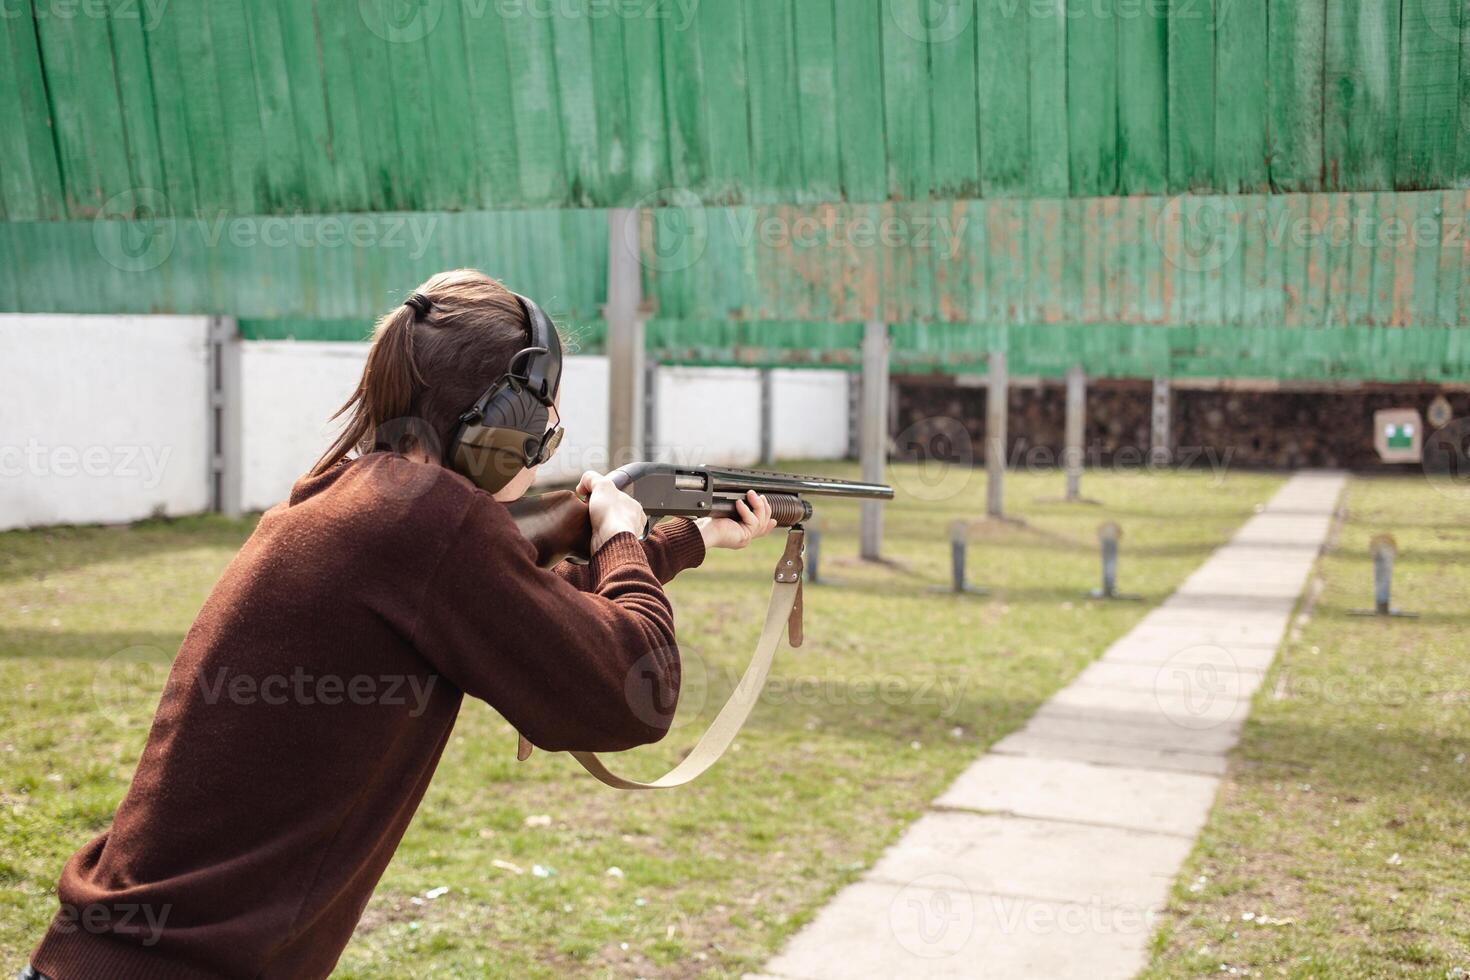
[(312, 698)]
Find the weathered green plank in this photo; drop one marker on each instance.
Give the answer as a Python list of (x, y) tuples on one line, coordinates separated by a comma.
[(649, 164), (952, 92), (332, 178), (684, 84), (208, 143), (1429, 89), (1451, 256), (1462, 149), (1423, 307), (862, 142), (1385, 242), (1092, 96), (447, 65), (1362, 212), (242, 144), (775, 117), (282, 154), (726, 100), (1361, 94), (1295, 43), (1002, 43), (1314, 306), (135, 94), (533, 100), (1191, 95), (1047, 89), (1337, 235), (1240, 96), (31, 181), (423, 183), (906, 119), (77, 58), (493, 122), (1143, 149), (571, 32), (816, 92)]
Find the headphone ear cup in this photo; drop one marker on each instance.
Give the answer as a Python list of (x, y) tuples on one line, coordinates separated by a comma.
[(492, 451)]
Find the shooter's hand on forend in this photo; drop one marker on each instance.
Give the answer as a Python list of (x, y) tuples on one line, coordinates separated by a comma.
[(612, 510), (755, 521)]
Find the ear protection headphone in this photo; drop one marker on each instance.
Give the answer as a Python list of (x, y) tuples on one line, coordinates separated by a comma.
[(505, 432)]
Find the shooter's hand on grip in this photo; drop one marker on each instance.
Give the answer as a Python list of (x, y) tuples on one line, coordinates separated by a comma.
[(612, 510)]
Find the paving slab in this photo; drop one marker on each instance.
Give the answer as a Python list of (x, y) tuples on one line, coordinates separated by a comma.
[(1051, 855), (1125, 676), (1136, 756), (934, 928), (1173, 803), (1044, 859), (1127, 729)]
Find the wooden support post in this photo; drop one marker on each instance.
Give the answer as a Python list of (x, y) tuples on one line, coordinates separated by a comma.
[(226, 416), (874, 426), (1076, 430), (768, 409), (1159, 445), (995, 434), (624, 316)]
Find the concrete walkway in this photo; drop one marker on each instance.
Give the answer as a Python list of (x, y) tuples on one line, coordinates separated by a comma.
[(1051, 856)]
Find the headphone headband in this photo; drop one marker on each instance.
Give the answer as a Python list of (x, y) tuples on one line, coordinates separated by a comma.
[(505, 431), (542, 374)]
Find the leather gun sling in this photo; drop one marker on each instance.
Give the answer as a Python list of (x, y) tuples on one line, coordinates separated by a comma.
[(784, 610)]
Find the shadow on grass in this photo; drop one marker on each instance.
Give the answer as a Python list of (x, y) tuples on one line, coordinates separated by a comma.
[(29, 644), (52, 551)]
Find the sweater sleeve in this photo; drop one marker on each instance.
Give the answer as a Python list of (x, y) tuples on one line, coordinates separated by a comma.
[(594, 670), (673, 546)]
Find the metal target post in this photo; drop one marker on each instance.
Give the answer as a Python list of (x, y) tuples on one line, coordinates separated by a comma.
[(1384, 549)]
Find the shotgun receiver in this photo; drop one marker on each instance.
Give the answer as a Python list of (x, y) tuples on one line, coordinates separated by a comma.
[(559, 527)]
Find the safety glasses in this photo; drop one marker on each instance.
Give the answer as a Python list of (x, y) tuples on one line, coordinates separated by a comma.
[(547, 447)]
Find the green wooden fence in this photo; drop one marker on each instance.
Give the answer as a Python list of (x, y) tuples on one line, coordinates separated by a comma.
[(287, 106)]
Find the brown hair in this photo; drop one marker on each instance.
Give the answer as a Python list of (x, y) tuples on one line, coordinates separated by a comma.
[(426, 369)]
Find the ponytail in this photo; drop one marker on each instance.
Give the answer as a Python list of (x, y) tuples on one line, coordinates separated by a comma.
[(431, 358)]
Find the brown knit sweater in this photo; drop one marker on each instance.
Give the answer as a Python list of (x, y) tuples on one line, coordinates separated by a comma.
[(310, 702)]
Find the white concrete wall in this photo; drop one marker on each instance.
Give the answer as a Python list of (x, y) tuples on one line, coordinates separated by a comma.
[(809, 414), (290, 390), (91, 395), (708, 415), (102, 418)]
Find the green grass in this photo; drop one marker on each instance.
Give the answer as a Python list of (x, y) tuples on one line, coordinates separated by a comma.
[(896, 690), (1345, 818)]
